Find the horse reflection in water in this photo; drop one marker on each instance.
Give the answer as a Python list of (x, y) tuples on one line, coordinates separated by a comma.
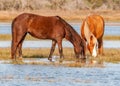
[(41, 27), (92, 31)]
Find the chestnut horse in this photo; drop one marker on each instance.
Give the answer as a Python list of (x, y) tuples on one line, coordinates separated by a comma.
[(92, 31), (41, 27)]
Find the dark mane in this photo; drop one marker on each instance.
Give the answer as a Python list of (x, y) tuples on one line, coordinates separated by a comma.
[(70, 31), (67, 25)]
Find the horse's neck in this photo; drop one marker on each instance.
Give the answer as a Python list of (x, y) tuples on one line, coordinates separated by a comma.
[(72, 36), (75, 39)]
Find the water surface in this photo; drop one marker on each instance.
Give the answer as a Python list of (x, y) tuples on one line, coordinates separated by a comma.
[(39, 75), (113, 29), (48, 43)]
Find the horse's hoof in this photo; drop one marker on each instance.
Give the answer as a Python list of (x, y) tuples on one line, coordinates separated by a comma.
[(50, 59)]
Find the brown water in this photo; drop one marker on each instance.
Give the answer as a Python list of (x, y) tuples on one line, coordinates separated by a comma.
[(51, 75)]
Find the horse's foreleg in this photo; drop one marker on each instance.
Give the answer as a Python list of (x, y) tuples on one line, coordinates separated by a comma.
[(60, 50), (52, 50)]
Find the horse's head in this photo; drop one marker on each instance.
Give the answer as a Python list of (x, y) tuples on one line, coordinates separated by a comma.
[(92, 45), (83, 45), (82, 49)]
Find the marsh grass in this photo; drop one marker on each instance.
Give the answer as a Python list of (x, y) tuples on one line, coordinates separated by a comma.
[(108, 37), (110, 55), (6, 37)]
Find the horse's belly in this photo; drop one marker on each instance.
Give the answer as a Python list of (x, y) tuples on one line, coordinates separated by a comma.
[(39, 35)]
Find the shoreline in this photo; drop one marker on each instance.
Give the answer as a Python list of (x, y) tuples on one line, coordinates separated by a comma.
[(77, 16)]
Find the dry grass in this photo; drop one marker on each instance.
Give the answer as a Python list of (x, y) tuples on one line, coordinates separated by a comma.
[(4, 37), (110, 37), (108, 15)]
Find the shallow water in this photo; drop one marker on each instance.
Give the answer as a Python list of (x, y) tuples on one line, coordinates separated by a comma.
[(48, 43), (39, 75), (110, 29)]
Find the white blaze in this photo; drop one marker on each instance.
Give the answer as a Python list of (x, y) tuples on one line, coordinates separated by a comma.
[(94, 53)]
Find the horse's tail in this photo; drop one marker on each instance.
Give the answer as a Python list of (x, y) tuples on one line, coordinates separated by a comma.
[(13, 32), (13, 29)]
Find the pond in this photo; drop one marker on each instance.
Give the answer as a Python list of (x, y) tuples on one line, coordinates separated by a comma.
[(48, 43), (39, 75), (110, 29)]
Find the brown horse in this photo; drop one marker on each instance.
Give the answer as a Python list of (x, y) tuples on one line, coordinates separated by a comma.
[(41, 27), (92, 31)]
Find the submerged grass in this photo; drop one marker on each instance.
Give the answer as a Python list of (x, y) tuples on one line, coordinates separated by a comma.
[(4, 37), (110, 55)]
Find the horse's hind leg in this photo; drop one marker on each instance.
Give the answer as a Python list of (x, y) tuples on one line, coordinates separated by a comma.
[(20, 47), (100, 47), (13, 49), (16, 40), (52, 50)]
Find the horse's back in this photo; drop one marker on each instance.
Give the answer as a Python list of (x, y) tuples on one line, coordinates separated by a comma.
[(28, 17), (43, 27), (96, 25), (30, 21)]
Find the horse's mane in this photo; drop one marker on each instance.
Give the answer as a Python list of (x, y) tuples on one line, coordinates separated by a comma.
[(68, 26), (71, 34)]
